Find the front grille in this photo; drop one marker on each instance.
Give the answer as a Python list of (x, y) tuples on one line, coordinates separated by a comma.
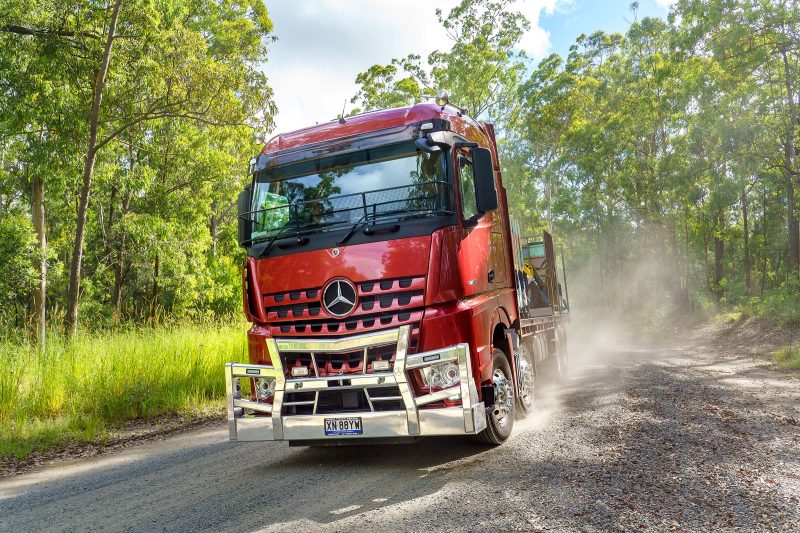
[(354, 400), (381, 304)]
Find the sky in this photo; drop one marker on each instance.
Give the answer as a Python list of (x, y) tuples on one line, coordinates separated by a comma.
[(324, 44)]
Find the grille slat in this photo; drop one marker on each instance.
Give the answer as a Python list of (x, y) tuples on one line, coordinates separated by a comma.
[(382, 296), (340, 327)]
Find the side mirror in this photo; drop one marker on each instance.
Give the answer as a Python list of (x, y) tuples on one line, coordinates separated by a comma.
[(483, 168), (244, 204)]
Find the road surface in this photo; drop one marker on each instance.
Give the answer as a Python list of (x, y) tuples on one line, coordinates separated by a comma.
[(676, 436)]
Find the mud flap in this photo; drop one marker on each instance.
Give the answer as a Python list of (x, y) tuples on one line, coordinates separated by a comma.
[(513, 341)]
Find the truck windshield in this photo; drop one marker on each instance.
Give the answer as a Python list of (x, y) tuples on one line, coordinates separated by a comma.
[(387, 182)]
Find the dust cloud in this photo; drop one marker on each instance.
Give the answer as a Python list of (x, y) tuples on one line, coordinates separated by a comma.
[(621, 306)]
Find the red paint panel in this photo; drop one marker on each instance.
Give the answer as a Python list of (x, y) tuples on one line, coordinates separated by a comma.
[(257, 345), (363, 262), (474, 258), (444, 278)]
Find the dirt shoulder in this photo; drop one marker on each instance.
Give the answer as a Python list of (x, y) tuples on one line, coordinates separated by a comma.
[(129, 434)]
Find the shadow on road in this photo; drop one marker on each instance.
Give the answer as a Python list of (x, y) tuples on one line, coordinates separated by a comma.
[(245, 486)]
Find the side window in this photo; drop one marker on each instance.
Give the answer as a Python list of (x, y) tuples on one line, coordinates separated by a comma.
[(466, 181)]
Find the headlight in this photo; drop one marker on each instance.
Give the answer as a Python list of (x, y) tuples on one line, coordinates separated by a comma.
[(265, 388), (440, 375)]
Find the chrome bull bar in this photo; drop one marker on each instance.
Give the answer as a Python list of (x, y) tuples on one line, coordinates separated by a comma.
[(252, 420)]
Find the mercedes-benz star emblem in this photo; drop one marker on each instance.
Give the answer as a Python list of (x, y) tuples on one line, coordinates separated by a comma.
[(339, 297)]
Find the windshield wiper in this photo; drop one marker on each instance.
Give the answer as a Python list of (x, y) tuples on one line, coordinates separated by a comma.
[(375, 216), (352, 230), (300, 241)]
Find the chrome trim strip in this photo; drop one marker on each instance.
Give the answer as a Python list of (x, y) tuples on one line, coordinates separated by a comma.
[(255, 406), (446, 354), (339, 345), (469, 394), (439, 395), (356, 380), (399, 371), (229, 400), (280, 384)]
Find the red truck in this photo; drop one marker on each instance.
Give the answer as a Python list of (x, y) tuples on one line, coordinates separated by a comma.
[(390, 294)]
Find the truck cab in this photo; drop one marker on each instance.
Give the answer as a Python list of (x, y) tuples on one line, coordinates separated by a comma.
[(383, 285)]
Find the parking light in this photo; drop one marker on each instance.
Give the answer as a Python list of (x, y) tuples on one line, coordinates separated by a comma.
[(299, 371), (380, 366)]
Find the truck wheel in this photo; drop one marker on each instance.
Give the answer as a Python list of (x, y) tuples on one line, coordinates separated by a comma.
[(526, 377), (500, 416)]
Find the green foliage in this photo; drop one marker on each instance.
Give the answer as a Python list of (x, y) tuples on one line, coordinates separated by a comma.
[(788, 357), (17, 250), (781, 304), (480, 72), (77, 389), (183, 96)]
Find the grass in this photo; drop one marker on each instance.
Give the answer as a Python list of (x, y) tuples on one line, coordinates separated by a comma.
[(74, 391), (729, 317), (788, 358)]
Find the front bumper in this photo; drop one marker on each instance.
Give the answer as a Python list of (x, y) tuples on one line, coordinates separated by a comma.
[(256, 421)]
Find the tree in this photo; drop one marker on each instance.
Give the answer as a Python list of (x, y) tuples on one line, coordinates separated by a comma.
[(480, 72), (758, 40), (186, 61)]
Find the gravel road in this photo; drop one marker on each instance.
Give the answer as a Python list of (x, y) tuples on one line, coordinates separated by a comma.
[(694, 435)]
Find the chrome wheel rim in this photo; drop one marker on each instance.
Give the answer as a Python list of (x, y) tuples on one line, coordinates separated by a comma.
[(503, 398), (526, 381)]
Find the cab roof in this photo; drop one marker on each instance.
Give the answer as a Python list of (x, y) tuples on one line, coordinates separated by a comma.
[(378, 120)]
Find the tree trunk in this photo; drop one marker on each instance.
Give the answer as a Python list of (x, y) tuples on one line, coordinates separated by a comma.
[(120, 270), (154, 294), (746, 240), (40, 290), (764, 249), (719, 255), (705, 257), (790, 167), (107, 234), (73, 293), (212, 227)]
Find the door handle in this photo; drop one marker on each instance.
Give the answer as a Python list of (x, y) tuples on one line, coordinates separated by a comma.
[(491, 276)]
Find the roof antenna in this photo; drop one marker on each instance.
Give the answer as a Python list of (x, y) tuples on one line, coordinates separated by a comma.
[(341, 117)]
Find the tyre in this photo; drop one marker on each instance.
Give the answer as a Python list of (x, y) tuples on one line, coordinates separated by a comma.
[(526, 378), (500, 417)]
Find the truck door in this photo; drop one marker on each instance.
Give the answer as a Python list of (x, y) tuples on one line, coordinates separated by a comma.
[(476, 255)]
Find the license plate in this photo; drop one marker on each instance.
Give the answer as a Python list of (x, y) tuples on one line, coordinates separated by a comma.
[(342, 426)]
